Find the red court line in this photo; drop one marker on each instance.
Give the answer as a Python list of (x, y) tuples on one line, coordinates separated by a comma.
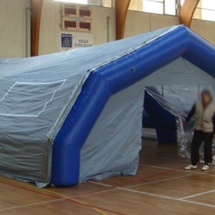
[(148, 177), (152, 176), (63, 199), (91, 206), (89, 193), (34, 191), (125, 184), (94, 192)]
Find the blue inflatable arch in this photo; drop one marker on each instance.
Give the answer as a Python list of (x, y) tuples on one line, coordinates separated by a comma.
[(113, 77)]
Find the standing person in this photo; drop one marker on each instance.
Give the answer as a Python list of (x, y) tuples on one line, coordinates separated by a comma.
[(204, 112)]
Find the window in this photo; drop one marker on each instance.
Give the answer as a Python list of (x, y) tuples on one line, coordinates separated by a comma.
[(74, 1), (153, 6), (105, 3), (170, 7), (182, 2), (205, 10), (160, 6), (136, 5), (208, 10)]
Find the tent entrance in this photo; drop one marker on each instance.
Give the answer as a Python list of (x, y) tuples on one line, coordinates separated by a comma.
[(164, 109)]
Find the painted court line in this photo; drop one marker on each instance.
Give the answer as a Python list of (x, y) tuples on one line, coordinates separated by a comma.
[(112, 188), (95, 207), (160, 167), (33, 204), (167, 197), (167, 159), (154, 182), (95, 193), (145, 178), (70, 199), (198, 203), (146, 193), (166, 168), (28, 187), (98, 183), (194, 172), (198, 194)]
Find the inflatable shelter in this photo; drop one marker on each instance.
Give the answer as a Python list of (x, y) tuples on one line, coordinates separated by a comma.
[(73, 116)]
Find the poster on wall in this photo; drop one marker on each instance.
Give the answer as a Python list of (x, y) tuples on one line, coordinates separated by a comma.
[(66, 42), (75, 40)]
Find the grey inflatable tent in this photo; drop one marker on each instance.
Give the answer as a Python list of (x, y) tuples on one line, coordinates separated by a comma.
[(74, 116)]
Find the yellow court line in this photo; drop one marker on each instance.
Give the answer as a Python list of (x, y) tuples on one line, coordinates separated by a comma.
[(98, 210), (78, 201), (53, 192)]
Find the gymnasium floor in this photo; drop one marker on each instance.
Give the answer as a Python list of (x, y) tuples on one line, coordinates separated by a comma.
[(161, 187)]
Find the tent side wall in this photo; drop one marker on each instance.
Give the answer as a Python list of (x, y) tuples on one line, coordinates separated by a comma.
[(101, 84), (113, 145)]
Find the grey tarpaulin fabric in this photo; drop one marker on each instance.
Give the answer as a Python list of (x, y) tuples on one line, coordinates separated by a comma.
[(36, 95)]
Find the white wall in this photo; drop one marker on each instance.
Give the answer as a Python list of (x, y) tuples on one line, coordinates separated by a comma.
[(12, 28), (50, 28), (139, 22), (206, 29), (136, 23), (13, 24)]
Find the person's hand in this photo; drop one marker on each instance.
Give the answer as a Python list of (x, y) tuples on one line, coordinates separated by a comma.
[(185, 123)]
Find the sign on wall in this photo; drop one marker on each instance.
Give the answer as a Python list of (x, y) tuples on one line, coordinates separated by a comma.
[(75, 40), (66, 42)]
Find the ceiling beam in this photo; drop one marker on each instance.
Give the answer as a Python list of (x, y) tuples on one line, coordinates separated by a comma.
[(187, 12), (121, 9), (36, 10)]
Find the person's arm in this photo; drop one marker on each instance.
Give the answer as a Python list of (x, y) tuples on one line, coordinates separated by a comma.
[(213, 119), (214, 122), (191, 113)]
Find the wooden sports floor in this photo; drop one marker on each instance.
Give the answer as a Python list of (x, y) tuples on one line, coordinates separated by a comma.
[(161, 187)]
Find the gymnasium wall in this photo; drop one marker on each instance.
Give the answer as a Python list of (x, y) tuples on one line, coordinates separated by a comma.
[(13, 28), (51, 26), (13, 35), (139, 22)]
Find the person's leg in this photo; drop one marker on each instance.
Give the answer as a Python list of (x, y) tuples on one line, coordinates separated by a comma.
[(196, 143), (208, 140)]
